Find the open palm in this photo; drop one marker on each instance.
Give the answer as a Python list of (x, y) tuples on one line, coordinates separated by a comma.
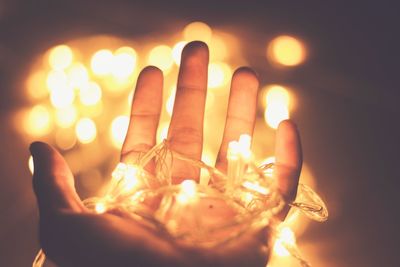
[(71, 235)]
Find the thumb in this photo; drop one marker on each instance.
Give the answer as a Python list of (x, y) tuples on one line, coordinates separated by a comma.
[(53, 181)]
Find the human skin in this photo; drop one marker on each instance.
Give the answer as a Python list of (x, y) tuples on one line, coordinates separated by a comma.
[(71, 235)]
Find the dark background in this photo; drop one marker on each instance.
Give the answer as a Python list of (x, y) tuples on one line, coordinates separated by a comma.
[(347, 93)]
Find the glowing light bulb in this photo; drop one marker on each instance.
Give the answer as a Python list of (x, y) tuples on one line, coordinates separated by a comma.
[(30, 164), (100, 207), (285, 236), (119, 128), (131, 180), (124, 62), (188, 192), (86, 130), (255, 187), (197, 31), (90, 94), (66, 117), (161, 56), (218, 74), (177, 52), (60, 57), (101, 62), (286, 50), (37, 121)]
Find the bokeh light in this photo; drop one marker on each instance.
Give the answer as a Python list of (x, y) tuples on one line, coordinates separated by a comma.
[(161, 57), (177, 51), (60, 57), (277, 101), (62, 96), (85, 130), (119, 127), (37, 121), (197, 31), (65, 139), (36, 85), (124, 62), (66, 117), (56, 79), (90, 94), (101, 62), (286, 50), (219, 74), (77, 75)]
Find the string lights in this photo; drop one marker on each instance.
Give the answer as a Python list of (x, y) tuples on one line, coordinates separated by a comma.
[(78, 93), (248, 191)]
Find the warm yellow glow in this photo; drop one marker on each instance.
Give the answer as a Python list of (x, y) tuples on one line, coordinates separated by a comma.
[(255, 187), (86, 130), (161, 57), (275, 113), (37, 121), (286, 50), (276, 94), (197, 31), (30, 164), (36, 84), (169, 105), (62, 97), (65, 139), (124, 62), (277, 102), (131, 180), (188, 192), (60, 57), (119, 127), (101, 62), (285, 236), (218, 48), (162, 132), (177, 51), (218, 74), (100, 207), (66, 117), (244, 145), (77, 75), (56, 79), (90, 94)]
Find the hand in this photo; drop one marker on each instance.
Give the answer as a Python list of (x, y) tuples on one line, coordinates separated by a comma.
[(73, 236)]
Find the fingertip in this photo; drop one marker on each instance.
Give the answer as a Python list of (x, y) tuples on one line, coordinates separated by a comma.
[(195, 48), (151, 70), (247, 77)]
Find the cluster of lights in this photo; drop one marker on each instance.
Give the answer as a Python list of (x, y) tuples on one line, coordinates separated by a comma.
[(247, 192), (79, 93)]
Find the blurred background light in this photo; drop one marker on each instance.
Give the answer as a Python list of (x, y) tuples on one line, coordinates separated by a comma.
[(161, 57), (85, 130), (197, 31), (60, 57), (124, 62), (119, 128), (219, 74), (90, 94), (177, 51), (286, 50), (37, 121), (101, 62)]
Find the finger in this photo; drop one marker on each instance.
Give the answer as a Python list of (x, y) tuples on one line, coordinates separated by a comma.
[(53, 181), (186, 129), (289, 159), (145, 114), (241, 111)]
